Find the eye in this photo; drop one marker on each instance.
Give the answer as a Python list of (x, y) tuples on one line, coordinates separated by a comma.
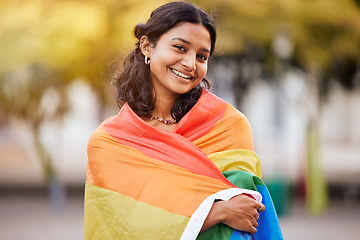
[(202, 57), (181, 48)]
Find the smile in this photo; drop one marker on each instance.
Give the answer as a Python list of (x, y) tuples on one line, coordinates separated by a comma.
[(180, 74)]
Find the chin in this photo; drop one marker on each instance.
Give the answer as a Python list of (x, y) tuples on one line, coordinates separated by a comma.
[(184, 90)]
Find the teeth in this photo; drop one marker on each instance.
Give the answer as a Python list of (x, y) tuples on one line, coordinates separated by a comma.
[(180, 74)]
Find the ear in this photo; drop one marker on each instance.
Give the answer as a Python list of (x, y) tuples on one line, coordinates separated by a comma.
[(145, 46)]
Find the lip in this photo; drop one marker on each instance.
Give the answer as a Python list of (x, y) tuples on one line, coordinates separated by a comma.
[(192, 77)]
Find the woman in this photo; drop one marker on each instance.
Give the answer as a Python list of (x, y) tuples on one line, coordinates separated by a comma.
[(157, 169)]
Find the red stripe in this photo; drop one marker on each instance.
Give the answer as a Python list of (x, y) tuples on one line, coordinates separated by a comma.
[(202, 117), (129, 129)]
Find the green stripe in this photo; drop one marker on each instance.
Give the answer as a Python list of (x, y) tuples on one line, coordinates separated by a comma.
[(243, 179)]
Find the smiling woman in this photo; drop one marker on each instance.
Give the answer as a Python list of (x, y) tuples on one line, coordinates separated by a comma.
[(178, 61), (176, 162), (162, 41)]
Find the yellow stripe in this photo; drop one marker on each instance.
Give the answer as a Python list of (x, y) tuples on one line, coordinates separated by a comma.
[(111, 215), (240, 159)]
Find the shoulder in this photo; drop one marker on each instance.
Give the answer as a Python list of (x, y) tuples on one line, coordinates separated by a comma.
[(232, 127), (236, 117), (229, 114), (238, 128)]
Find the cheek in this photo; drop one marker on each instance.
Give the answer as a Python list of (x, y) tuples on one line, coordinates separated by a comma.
[(202, 70), (157, 66)]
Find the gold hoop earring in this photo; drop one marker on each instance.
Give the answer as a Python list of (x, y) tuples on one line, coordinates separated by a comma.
[(147, 60)]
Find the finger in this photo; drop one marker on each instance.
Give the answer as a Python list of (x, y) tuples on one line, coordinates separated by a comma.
[(253, 229), (253, 214), (261, 208), (255, 224)]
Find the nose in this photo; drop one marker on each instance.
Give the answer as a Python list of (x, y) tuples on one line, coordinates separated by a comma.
[(189, 61)]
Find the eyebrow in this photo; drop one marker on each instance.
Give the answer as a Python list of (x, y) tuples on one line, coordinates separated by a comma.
[(188, 43)]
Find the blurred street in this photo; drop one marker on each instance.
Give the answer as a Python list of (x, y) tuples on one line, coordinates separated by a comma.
[(31, 217)]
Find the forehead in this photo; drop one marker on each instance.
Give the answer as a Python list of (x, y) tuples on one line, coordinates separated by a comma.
[(195, 34)]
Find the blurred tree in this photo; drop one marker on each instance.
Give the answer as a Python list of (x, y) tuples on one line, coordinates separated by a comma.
[(33, 95), (357, 2), (45, 45), (324, 34), (78, 38)]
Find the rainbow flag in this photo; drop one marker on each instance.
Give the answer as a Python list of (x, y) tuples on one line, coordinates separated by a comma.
[(147, 183)]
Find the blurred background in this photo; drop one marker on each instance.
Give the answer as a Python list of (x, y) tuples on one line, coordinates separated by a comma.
[(291, 66)]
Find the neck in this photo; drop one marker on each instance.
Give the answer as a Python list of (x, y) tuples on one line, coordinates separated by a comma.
[(163, 108)]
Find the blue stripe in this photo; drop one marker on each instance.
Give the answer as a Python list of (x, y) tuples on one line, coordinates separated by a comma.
[(268, 228), (240, 235)]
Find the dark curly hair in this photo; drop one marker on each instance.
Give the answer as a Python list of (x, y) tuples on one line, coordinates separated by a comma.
[(133, 81)]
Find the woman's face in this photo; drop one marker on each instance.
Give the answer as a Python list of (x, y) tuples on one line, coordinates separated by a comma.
[(178, 61)]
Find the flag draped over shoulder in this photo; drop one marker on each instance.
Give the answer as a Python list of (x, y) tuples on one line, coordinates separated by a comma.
[(147, 183)]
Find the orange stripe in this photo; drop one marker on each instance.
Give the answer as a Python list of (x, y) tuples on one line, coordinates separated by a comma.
[(231, 132), (127, 171), (130, 130)]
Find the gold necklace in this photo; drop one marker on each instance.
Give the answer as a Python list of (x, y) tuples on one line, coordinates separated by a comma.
[(167, 122)]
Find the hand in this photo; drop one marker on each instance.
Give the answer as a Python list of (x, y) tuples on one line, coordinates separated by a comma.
[(240, 212)]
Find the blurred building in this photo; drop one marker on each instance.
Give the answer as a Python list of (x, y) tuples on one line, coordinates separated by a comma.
[(65, 140), (278, 114)]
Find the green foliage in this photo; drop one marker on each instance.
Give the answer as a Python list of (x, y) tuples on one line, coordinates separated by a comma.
[(45, 45), (81, 38), (74, 38), (322, 32)]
